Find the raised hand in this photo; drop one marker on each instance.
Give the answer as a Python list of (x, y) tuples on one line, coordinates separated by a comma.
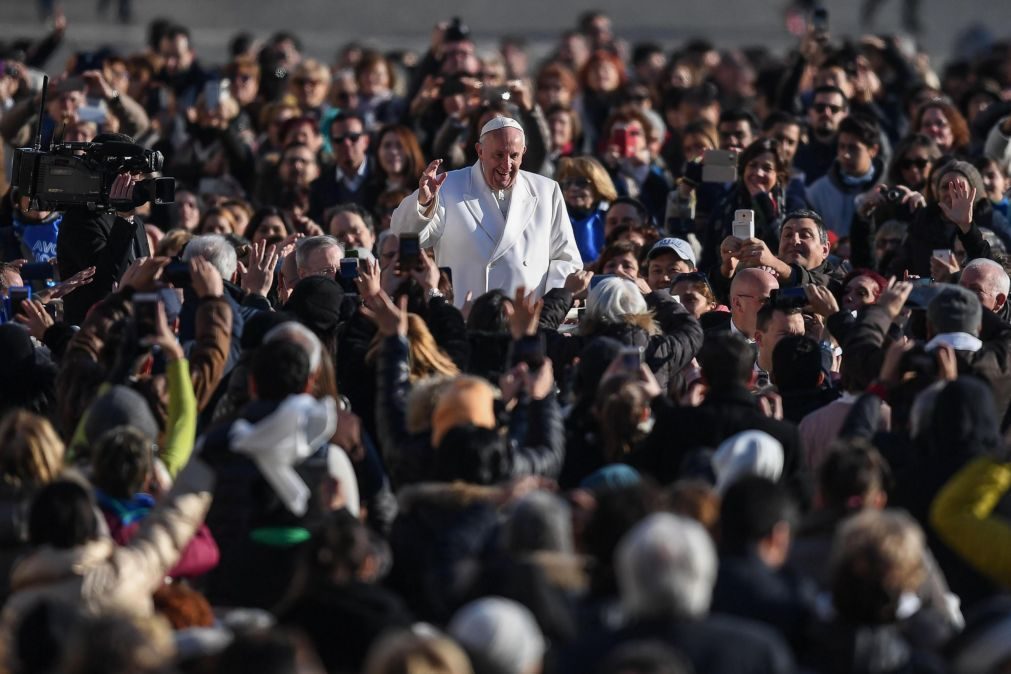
[(260, 274), (962, 198), (578, 283), (430, 183), (207, 282), (388, 317), (426, 273), (81, 278), (821, 299), (143, 274), (34, 318), (368, 280), (894, 298), (526, 314)]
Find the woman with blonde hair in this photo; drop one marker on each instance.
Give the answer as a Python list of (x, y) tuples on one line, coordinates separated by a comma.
[(410, 653), (424, 355), (587, 190), (31, 455)]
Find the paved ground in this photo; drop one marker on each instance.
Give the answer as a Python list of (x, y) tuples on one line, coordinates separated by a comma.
[(326, 24)]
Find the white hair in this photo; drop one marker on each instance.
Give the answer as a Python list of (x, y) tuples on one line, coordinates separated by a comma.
[(1002, 283), (296, 333), (215, 249), (666, 567), (613, 299), (307, 246), (501, 632)]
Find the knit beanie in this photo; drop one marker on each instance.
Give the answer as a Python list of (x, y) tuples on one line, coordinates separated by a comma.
[(120, 406), (965, 169), (955, 309)]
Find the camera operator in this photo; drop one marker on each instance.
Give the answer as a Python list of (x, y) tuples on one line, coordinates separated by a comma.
[(107, 241)]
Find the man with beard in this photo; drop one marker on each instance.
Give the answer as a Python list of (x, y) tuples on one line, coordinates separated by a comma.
[(803, 257), (829, 107)]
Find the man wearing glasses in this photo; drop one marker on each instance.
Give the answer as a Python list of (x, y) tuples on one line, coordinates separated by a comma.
[(828, 109), (352, 178)]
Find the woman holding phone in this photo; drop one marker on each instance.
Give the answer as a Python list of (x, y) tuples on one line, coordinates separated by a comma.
[(761, 180)]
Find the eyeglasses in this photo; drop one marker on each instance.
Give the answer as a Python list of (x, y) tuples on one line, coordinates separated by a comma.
[(304, 81), (344, 95), (353, 137), (576, 183), (917, 162), (827, 107)]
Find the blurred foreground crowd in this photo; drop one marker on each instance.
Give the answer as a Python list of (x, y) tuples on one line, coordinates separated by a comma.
[(747, 414)]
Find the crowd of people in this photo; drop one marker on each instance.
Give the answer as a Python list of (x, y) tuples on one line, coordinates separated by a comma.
[(627, 361)]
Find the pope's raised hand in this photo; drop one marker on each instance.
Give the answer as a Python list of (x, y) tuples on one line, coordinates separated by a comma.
[(430, 183)]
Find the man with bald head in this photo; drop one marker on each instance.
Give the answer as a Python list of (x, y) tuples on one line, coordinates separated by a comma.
[(990, 283), (749, 291), (494, 225)]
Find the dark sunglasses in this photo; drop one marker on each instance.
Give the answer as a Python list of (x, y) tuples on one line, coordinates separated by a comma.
[(823, 107), (919, 163), (692, 277), (578, 183), (353, 137)]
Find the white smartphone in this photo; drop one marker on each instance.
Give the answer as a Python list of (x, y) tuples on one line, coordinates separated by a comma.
[(744, 224), (945, 255), (719, 166)]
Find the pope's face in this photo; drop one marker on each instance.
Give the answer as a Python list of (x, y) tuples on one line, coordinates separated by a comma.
[(501, 153)]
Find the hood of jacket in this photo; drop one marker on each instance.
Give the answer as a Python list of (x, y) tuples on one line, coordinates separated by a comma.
[(48, 565)]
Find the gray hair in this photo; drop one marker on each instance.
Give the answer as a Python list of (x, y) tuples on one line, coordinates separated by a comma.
[(540, 521), (500, 632), (1002, 283), (612, 300), (666, 567), (307, 247), (215, 249), (296, 333)]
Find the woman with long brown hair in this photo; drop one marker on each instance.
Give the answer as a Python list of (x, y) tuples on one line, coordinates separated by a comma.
[(399, 157)]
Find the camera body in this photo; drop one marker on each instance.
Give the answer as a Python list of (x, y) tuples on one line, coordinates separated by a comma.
[(893, 195), (81, 174)]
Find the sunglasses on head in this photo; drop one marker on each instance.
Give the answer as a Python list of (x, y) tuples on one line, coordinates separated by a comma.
[(577, 183), (692, 276), (918, 162), (353, 137)]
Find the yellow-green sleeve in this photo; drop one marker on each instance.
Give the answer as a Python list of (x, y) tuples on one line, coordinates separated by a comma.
[(79, 439), (962, 515), (181, 425)]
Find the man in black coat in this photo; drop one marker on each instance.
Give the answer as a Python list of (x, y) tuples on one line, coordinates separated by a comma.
[(757, 522), (110, 242), (666, 567), (728, 370), (352, 178)]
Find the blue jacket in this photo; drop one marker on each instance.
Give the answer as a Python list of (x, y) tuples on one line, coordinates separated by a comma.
[(589, 233)]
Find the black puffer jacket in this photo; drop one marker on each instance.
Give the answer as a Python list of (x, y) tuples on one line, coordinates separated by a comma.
[(666, 352), (356, 377), (930, 231), (410, 457)]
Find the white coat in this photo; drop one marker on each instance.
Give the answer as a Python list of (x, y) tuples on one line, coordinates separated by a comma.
[(536, 248)]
